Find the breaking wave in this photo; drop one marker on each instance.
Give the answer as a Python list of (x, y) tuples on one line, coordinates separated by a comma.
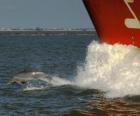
[(113, 69)]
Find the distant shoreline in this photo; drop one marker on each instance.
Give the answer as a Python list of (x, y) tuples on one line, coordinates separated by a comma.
[(45, 32)]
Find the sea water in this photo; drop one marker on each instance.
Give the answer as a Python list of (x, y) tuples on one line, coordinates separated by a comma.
[(85, 77)]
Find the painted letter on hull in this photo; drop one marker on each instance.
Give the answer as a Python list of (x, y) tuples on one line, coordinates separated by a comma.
[(116, 21)]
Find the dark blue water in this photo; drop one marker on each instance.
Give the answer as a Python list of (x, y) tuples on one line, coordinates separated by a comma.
[(56, 56)]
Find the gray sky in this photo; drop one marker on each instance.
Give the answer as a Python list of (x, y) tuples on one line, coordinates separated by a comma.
[(43, 13)]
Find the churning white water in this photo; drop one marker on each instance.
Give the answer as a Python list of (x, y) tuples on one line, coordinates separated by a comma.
[(114, 69)]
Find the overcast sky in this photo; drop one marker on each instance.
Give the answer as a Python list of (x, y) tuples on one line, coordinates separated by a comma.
[(44, 13)]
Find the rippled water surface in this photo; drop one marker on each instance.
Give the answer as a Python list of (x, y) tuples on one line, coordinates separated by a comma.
[(75, 87)]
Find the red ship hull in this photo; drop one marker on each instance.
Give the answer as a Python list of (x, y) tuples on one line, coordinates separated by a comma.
[(116, 21)]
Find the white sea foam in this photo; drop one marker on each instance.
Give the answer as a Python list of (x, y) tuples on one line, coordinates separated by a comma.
[(32, 88), (113, 69), (57, 81), (44, 83)]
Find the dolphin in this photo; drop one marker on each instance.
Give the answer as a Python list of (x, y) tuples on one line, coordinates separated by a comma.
[(25, 76)]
